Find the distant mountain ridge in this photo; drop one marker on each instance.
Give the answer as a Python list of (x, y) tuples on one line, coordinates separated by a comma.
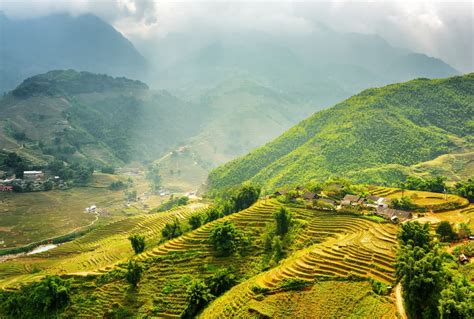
[(81, 116), (377, 136), (61, 41)]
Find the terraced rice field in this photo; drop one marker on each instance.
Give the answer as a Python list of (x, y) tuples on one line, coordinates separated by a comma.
[(162, 291), (363, 248), (349, 246), (97, 251)]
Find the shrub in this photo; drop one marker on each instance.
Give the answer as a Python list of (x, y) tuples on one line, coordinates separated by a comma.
[(198, 296), (138, 243), (221, 281), (118, 185), (195, 221), (379, 287), (294, 284), (37, 300), (445, 231), (403, 203), (108, 170), (212, 214), (172, 230), (172, 203), (225, 238), (283, 221), (134, 273)]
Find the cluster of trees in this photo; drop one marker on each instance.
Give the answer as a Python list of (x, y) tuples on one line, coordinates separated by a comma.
[(225, 238), (433, 287), (173, 202), (200, 292), (154, 177), (465, 189), (80, 173), (275, 239), (403, 203), (435, 184), (234, 201), (447, 232), (41, 299), (14, 163)]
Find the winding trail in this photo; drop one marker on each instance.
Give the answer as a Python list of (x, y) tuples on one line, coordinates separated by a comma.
[(399, 300)]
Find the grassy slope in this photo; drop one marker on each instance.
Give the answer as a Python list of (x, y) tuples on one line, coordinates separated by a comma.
[(399, 125)]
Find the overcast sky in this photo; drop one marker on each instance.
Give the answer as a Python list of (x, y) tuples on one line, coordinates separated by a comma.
[(443, 29)]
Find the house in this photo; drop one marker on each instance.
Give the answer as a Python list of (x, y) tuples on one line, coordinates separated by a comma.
[(463, 259), (376, 202), (281, 192), (6, 188), (327, 201), (309, 196), (394, 215), (349, 200), (32, 175)]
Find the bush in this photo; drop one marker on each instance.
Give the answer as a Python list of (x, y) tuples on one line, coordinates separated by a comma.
[(283, 221), (221, 281), (225, 238), (379, 287), (294, 284), (445, 231), (134, 273), (172, 203), (118, 185), (108, 170), (195, 221), (172, 230), (37, 300), (138, 243), (198, 296), (403, 203)]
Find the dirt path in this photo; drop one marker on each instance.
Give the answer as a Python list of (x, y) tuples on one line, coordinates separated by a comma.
[(399, 300)]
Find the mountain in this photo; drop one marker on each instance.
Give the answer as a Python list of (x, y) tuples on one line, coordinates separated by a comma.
[(84, 116), (320, 68), (377, 136), (61, 41)]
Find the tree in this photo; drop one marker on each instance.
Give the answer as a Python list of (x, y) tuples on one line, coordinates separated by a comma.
[(198, 296), (277, 249), (195, 221), (172, 230), (225, 238), (246, 196), (134, 273), (465, 189), (445, 231), (457, 299), (415, 234), (154, 177), (420, 271), (212, 214), (37, 300), (404, 203), (464, 230), (283, 221), (221, 281), (138, 243)]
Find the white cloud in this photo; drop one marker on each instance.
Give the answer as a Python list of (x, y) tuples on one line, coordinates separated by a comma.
[(443, 29)]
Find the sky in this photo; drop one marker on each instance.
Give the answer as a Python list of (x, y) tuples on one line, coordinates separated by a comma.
[(442, 29)]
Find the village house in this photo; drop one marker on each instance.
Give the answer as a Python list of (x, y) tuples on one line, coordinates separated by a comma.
[(394, 215), (32, 175), (352, 200), (309, 196), (6, 188), (281, 192), (376, 202)]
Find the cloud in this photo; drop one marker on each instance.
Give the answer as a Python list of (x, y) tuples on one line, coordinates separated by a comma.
[(443, 29)]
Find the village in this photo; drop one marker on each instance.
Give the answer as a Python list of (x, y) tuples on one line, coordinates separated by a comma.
[(32, 181), (379, 206)]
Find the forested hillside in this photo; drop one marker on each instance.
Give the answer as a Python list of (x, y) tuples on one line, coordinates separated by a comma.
[(375, 136), (88, 117)]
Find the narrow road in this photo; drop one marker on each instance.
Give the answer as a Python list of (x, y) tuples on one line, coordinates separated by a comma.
[(399, 300)]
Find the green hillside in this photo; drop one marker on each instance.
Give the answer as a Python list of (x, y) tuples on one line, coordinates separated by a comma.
[(78, 116), (379, 135)]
